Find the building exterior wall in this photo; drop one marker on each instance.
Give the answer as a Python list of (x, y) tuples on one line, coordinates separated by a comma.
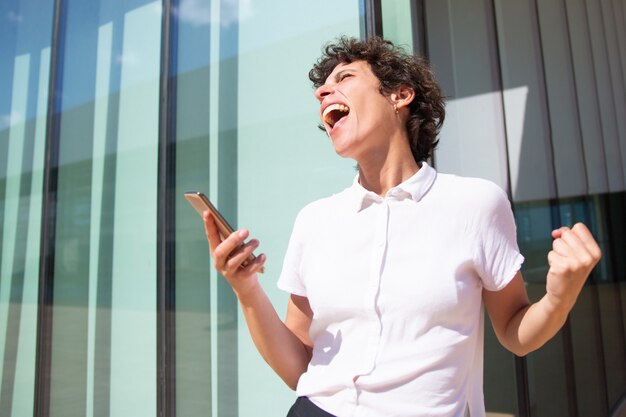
[(110, 110)]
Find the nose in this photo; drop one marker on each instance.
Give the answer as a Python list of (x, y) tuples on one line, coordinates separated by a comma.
[(322, 91)]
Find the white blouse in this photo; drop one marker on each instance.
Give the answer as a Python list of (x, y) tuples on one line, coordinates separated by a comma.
[(395, 285)]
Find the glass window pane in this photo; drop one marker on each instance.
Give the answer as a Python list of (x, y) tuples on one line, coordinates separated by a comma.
[(284, 161), (525, 81), (193, 322), (25, 31), (104, 312), (547, 367), (608, 216), (399, 23), (586, 329), (246, 135)]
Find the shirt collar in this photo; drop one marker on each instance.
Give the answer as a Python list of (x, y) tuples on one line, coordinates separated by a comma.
[(414, 188)]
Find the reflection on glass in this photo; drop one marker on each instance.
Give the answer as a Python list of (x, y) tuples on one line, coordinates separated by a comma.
[(194, 350), (25, 28), (584, 324), (283, 161), (244, 108), (398, 22), (534, 222), (548, 369), (609, 221), (245, 133), (103, 348)]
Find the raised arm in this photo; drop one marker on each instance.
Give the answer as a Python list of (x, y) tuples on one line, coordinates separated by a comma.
[(522, 327), (285, 347)]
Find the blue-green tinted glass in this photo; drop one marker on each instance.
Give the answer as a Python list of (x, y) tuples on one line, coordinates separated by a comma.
[(401, 25), (25, 34), (246, 135), (103, 350), (547, 366), (195, 336)]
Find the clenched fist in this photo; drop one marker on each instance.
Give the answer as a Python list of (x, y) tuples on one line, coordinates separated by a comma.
[(574, 254)]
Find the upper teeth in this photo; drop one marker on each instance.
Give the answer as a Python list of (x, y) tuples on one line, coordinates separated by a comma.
[(336, 106)]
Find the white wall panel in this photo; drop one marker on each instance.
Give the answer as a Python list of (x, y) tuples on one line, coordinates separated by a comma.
[(530, 155), (587, 96), (565, 129), (617, 81), (461, 41), (608, 116), (620, 25)]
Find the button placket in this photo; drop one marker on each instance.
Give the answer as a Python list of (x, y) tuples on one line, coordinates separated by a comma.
[(373, 286)]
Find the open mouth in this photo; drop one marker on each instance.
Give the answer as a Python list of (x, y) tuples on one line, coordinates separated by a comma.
[(333, 113)]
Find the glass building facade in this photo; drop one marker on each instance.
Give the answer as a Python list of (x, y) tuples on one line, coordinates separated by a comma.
[(110, 110)]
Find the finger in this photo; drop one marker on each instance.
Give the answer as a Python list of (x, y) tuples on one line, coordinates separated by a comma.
[(243, 252), (561, 247), (558, 232), (258, 265), (212, 234), (225, 249), (584, 234), (574, 244), (553, 258), (582, 230), (577, 246), (557, 263), (581, 252), (581, 244)]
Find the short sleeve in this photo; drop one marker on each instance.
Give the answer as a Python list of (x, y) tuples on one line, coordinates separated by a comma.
[(497, 256), (290, 278)]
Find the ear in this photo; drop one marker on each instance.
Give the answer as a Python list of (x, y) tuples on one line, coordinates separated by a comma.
[(403, 96)]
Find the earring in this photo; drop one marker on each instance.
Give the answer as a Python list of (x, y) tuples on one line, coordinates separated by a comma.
[(395, 108)]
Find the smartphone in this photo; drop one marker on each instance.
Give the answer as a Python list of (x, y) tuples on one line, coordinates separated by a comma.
[(201, 203)]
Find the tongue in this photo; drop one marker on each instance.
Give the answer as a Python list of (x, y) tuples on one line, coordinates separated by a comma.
[(337, 116), (340, 119)]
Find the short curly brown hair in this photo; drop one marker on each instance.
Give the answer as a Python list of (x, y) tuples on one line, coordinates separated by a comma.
[(394, 68)]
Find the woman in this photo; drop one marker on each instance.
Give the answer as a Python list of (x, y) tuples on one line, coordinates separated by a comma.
[(388, 278)]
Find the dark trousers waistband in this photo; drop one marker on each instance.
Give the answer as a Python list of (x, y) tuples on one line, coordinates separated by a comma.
[(303, 407)]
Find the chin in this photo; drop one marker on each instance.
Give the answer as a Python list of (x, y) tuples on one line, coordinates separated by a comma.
[(343, 146), (342, 154), (343, 151), (345, 154)]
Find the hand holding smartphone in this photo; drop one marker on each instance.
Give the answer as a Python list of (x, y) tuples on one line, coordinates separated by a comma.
[(201, 203)]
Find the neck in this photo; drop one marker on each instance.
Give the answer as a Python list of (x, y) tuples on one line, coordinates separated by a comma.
[(387, 169)]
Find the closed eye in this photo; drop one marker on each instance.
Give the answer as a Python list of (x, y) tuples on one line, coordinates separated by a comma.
[(344, 76)]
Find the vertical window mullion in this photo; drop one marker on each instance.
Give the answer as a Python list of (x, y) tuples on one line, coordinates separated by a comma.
[(419, 29), (373, 18), (48, 214), (166, 329)]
